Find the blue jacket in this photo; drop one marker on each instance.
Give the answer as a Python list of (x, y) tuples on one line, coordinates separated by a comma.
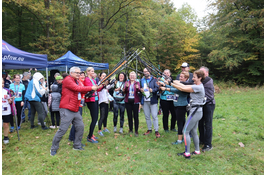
[(35, 91), (154, 87), (182, 99)]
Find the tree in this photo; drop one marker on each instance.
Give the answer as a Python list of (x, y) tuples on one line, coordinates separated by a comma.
[(238, 50)]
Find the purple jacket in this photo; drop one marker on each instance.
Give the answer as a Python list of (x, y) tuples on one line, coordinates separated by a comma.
[(136, 97)]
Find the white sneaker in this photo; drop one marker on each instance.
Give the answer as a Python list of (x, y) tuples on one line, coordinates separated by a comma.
[(58, 127), (6, 141), (40, 123), (121, 131), (115, 129), (52, 127)]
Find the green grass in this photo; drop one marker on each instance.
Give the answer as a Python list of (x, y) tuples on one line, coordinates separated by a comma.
[(238, 117)]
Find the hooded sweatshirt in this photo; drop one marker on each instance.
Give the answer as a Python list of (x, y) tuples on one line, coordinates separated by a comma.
[(35, 90)]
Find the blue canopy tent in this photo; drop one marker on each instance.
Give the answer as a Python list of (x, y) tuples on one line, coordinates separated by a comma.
[(69, 60), (13, 58)]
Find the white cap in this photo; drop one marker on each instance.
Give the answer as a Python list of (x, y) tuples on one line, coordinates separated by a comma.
[(185, 65)]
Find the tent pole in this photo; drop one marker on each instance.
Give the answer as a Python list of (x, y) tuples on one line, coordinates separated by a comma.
[(47, 77), (66, 68)]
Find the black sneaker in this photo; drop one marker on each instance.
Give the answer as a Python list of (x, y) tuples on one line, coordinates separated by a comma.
[(184, 155), (79, 149), (207, 148), (44, 127), (53, 152), (32, 127), (136, 134)]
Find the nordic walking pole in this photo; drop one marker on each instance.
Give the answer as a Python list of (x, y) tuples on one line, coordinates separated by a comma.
[(14, 109)]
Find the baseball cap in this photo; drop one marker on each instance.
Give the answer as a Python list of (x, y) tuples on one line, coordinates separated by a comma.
[(59, 77), (185, 65)]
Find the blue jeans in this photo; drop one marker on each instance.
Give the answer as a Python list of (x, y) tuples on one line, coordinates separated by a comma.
[(72, 132), (26, 105)]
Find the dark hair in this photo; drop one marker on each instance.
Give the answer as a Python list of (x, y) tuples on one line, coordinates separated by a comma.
[(16, 75), (125, 78), (65, 75), (102, 73), (200, 74), (82, 73)]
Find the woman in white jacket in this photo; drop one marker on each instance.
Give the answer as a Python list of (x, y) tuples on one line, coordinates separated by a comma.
[(36, 89), (103, 100)]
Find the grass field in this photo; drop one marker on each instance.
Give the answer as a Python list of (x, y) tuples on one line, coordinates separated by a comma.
[(238, 117)]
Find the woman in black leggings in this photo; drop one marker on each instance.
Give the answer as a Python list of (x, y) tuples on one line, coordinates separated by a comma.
[(92, 104), (132, 100)]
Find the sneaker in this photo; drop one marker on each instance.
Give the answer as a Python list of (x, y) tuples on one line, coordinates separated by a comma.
[(174, 130), (136, 134), (167, 131), (52, 127), (184, 154), (121, 131), (96, 138), (157, 134), (115, 129), (207, 148), (79, 149), (40, 123), (12, 129), (58, 127), (18, 127), (194, 153), (176, 142), (32, 126), (6, 140), (106, 130), (148, 132), (44, 127), (53, 152), (92, 140), (100, 133)]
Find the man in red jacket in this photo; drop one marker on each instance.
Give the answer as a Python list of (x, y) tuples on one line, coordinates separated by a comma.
[(69, 106)]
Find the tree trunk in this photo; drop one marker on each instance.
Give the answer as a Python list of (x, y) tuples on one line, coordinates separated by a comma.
[(47, 6)]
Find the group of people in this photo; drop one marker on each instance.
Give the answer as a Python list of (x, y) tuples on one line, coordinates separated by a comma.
[(69, 94)]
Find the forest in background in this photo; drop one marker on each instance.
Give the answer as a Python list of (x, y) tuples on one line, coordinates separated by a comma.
[(230, 42)]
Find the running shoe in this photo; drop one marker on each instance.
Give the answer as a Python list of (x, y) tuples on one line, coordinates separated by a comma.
[(177, 143), (92, 140), (207, 148), (157, 134), (148, 132), (106, 130), (184, 155), (100, 133), (194, 153)]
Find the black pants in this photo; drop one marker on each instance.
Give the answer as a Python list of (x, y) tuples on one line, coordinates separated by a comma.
[(117, 107), (18, 109), (206, 124), (181, 118), (166, 107), (132, 108), (103, 115), (57, 114), (93, 107)]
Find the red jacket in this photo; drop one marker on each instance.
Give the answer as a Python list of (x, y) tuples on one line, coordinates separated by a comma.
[(87, 82), (70, 90)]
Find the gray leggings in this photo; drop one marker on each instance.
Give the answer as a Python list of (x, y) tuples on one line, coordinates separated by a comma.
[(191, 126)]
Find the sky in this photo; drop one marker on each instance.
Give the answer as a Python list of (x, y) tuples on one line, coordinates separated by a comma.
[(199, 6)]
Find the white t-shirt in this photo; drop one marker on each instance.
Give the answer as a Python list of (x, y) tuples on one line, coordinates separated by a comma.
[(6, 109)]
